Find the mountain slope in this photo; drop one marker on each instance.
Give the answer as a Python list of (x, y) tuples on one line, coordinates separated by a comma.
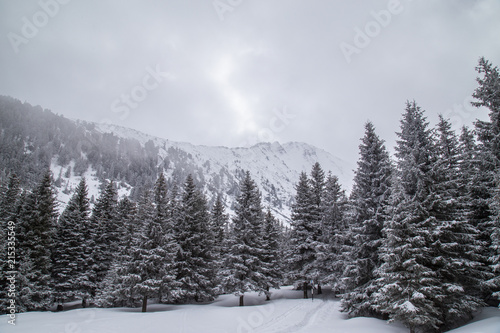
[(275, 167), (33, 139)]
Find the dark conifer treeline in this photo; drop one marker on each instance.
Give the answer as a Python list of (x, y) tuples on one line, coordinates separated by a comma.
[(30, 138), (170, 246)]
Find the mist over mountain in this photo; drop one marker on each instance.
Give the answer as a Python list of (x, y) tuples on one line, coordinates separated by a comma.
[(33, 139)]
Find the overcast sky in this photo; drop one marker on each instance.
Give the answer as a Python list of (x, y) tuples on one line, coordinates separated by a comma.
[(234, 72)]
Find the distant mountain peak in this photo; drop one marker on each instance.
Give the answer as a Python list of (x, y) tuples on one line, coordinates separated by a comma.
[(274, 166)]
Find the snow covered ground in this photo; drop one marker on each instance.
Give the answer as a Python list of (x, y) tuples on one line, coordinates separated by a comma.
[(287, 312)]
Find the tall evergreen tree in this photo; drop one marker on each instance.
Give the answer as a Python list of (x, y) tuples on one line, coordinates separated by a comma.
[(456, 248), (368, 202), (116, 289), (106, 235), (271, 253), (38, 218), (408, 284), (473, 194), (148, 265), (149, 270), (303, 237), (318, 210), (69, 258), (244, 268), (334, 240), (165, 203), (194, 259), (219, 221), (487, 95)]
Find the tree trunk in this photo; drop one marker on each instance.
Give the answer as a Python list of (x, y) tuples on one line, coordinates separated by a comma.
[(241, 300), (304, 286), (84, 302), (267, 294), (144, 303), (319, 289)]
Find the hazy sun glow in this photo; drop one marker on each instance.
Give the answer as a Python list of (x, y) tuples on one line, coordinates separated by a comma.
[(244, 118)]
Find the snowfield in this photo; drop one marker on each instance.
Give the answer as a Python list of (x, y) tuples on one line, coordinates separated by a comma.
[(286, 312)]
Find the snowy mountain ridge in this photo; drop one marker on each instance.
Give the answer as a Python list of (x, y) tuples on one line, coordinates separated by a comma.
[(275, 167), (34, 138)]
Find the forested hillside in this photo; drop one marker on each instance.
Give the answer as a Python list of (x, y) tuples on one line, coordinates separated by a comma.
[(32, 137)]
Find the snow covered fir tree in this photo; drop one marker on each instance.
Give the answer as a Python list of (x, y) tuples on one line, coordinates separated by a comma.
[(368, 205), (416, 241)]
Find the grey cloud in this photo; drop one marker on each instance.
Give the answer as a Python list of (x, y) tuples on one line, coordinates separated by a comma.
[(228, 77)]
